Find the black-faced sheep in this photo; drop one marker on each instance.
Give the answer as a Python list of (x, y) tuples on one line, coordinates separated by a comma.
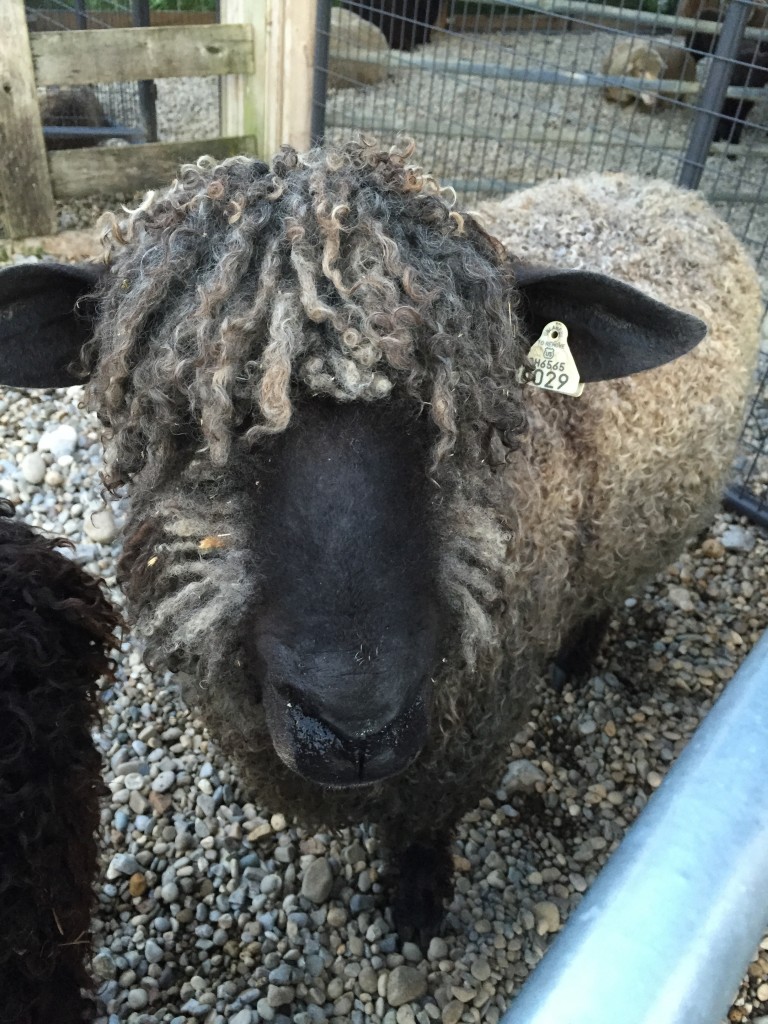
[(353, 529), (56, 632)]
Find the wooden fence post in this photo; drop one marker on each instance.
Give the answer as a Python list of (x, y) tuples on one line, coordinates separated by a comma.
[(275, 103), (25, 183)]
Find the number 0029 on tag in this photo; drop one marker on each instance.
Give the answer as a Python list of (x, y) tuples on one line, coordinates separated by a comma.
[(554, 366)]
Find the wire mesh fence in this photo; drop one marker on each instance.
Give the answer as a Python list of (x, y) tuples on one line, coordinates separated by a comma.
[(93, 114), (502, 95), (100, 113)]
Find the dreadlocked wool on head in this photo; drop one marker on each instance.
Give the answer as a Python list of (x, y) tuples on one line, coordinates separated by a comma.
[(343, 272)]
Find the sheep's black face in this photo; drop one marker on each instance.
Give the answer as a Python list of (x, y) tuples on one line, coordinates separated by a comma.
[(346, 638)]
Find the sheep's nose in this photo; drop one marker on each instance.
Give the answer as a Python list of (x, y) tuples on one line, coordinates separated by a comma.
[(330, 755)]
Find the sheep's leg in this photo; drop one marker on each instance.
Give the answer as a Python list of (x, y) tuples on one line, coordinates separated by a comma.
[(577, 654), (731, 122), (424, 871)]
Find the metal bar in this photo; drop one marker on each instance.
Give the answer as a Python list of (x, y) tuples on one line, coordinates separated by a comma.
[(601, 14), (81, 14), (714, 92), (320, 79), (742, 501), (666, 932), (543, 77), (147, 87), (422, 128), (77, 132)]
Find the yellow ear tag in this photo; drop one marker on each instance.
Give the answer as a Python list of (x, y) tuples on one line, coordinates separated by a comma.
[(554, 368)]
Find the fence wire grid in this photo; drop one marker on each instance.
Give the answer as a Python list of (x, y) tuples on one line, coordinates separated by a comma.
[(101, 113), (500, 96)]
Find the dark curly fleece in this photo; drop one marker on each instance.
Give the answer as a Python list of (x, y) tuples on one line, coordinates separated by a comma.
[(56, 631)]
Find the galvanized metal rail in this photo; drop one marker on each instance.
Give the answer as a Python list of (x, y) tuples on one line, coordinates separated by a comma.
[(666, 932)]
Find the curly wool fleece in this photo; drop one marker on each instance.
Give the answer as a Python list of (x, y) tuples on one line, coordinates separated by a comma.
[(347, 273)]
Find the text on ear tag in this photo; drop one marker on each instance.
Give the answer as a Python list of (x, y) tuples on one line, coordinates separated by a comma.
[(554, 368)]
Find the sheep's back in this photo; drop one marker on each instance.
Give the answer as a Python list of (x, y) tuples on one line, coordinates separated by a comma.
[(634, 466)]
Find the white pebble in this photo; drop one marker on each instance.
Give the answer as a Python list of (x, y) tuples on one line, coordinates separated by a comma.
[(60, 441), (681, 598), (33, 468), (736, 538), (53, 478), (100, 526)]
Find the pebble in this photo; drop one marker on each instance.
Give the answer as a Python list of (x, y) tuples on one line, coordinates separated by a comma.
[(137, 999), (33, 468), (521, 777), (137, 884), (153, 952), (59, 441), (280, 995), (547, 917), (480, 969), (122, 864), (681, 598), (318, 881), (452, 1012), (103, 966), (737, 538), (164, 781), (404, 985), (100, 526), (169, 892)]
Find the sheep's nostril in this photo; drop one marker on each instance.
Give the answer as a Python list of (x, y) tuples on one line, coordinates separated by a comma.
[(336, 756)]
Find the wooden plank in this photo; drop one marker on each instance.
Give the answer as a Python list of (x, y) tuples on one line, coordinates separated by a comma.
[(128, 54), (243, 98), (24, 179), (52, 20), (275, 102), (83, 172), (298, 59)]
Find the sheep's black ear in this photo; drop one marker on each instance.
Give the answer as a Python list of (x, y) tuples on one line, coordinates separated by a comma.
[(613, 330), (43, 326)]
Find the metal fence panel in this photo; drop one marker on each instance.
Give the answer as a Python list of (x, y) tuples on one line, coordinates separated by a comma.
[(502, 95), (689, 878)]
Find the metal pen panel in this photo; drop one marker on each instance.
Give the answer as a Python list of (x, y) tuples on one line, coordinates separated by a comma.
[(668, 928)]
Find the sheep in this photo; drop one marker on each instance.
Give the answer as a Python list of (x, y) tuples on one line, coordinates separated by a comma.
[(73, 108), (56, 632), (749, 70), (648, 59), (357, 533), (356, 47), (406, 24), (714, 10)]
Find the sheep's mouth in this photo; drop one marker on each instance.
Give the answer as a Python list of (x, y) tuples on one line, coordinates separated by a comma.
[(325, 755)]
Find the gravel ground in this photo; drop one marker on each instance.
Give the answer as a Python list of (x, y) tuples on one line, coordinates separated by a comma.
[(213, 908)]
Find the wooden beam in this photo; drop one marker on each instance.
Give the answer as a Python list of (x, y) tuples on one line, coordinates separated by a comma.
[(274, 103), (130, 54), (297, 72), (83, 172), (24, 180)]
